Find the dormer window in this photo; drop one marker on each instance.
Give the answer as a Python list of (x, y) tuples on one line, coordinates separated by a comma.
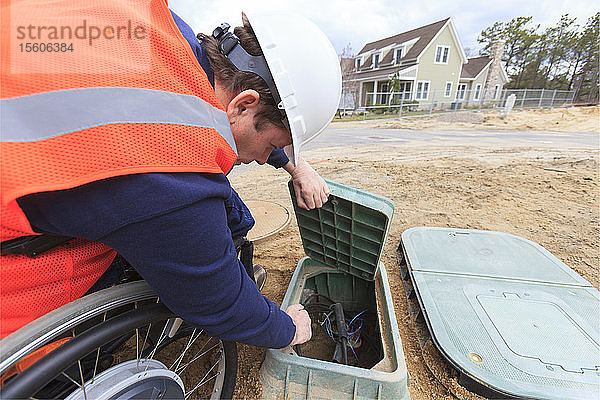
[(376, 60), (358, 62), (398, 55)]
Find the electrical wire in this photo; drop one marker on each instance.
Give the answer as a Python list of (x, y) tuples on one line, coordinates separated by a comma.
[(356, 316), (352, 348), (327, 325), (352, 321), (353, 325)]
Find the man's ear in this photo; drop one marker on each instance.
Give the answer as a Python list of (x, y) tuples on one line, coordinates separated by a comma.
[(245, 101)]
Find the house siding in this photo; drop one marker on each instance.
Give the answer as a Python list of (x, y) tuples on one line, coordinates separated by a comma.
[(472, 85), (439, 74), (479, 81)]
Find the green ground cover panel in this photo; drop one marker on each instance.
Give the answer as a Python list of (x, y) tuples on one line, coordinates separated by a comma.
[(348, 232), (506, 312)]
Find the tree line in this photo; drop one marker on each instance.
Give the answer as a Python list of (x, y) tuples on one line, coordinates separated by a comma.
[(565, 56)]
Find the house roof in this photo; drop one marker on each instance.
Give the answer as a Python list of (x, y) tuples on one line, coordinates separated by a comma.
[(384, 71), (474, 66), (424, 34)]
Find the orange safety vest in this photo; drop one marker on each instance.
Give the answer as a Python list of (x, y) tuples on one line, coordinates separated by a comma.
[(129, 99)]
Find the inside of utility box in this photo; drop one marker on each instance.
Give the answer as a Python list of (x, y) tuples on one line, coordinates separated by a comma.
[(353, 339)]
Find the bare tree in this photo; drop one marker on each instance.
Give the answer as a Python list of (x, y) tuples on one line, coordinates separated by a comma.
[(471, 52), (350, 87)]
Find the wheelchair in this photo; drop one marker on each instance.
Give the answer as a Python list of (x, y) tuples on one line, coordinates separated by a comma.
[(118, 343)]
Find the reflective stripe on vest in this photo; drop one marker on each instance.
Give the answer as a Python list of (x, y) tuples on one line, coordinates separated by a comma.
[(47, 115)]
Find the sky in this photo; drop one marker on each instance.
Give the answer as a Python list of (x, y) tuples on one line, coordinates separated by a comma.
[(360, 22)]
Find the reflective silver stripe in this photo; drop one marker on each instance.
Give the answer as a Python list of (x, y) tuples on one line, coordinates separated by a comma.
[(47, 115)]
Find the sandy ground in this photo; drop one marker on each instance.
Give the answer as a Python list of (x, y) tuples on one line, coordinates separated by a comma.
[(546, 195), (573, 119)]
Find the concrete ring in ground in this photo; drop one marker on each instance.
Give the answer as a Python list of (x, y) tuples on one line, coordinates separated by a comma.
[(270, 218)]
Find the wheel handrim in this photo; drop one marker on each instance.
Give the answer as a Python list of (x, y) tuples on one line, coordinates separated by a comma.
[(215, 374)]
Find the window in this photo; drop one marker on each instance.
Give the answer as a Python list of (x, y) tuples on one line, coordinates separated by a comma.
[(496, 91), (403, 92), (375, 60), (383, 95), (358, 62), (448, 89), (399, 54), (441, 54), (422, 90), (460, 93), (406, 90), (477, 92)]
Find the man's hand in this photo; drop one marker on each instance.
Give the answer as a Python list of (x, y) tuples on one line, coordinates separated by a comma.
[(311, 189), (302, 321)]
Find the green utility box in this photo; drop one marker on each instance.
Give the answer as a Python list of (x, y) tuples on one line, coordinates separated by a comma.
[(344, 241)]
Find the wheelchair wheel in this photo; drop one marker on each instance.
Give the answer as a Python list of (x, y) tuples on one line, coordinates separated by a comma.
[(118, 343)]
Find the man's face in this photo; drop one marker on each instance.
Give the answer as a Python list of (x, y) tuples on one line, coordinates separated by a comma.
[(253, 145)]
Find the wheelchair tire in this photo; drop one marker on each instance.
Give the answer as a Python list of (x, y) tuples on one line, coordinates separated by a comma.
[(104, 331)]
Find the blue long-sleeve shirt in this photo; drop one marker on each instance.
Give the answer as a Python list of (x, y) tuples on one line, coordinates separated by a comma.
[(173, 228)]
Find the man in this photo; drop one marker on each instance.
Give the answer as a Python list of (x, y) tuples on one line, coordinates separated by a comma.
[(311, 189), (135, 163)]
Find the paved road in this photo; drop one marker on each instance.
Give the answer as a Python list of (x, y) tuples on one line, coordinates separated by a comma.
[(342, 137), (349, 137)]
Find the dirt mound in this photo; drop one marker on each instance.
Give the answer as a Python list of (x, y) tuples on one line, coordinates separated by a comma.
[(572, 119)]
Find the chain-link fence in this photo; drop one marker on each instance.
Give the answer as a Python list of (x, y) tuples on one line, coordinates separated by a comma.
[(392, 104)]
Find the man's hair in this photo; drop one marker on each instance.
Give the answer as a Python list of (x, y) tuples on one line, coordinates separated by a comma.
[(237, 81)]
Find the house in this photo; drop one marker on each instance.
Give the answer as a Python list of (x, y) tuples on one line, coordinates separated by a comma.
[(429, 66), (482, 78)]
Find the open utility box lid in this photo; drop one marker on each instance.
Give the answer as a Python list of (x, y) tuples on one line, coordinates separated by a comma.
[(348, 232)]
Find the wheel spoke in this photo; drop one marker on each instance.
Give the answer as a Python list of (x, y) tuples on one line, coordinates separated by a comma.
[(137, 346), (97, 354), (158, 343), (82, 380), (142, 348), (201, 384), (203, 380), (71, 379), (182, 349), (189, 344), (137, 342), (179, 369), (197, 356)]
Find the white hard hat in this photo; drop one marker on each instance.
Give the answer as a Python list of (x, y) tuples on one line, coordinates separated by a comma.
[(306, 72)]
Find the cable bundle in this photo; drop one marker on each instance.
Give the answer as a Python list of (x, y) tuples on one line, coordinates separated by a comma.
[(346, 332)]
